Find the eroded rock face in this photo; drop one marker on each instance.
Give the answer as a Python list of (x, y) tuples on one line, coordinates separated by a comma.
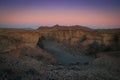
[(17, 42), (82, 36), (8, 43), (69, 35), (18, 38)]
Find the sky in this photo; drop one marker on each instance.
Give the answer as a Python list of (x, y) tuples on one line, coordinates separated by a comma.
[(97, 13)]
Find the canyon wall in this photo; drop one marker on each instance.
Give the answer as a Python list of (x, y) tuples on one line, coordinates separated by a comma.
[(82, 36), (78, 36)]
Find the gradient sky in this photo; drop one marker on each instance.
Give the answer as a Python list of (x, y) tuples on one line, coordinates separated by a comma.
[(63, 12)]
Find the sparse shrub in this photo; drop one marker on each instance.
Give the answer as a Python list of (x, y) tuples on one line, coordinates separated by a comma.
[(40, 42), (83, 38), (116, 45), (31, 72), (95, 47)]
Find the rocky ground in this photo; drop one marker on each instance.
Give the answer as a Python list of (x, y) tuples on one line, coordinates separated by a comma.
[(37, 64), (28, 68)]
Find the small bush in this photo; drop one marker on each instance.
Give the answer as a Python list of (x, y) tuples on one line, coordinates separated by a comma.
[(83, 38), (40, 42), (95, 47)]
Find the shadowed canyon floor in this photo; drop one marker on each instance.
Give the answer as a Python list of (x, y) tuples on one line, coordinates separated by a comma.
[(64, 57), (60, 53)]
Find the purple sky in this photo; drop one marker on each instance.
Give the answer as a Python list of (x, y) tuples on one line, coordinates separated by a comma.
[(64, 12)]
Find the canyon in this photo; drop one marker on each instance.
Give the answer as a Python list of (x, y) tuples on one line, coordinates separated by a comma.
[(72, 35), (60, 53)]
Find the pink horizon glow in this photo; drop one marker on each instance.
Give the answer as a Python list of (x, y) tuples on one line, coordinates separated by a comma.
[(83, 17)]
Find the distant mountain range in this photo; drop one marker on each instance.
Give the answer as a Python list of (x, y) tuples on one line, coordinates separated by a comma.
[(29, 27)]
